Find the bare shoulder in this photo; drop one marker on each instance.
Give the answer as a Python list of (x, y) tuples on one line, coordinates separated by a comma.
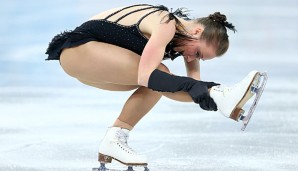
[(157, 20)]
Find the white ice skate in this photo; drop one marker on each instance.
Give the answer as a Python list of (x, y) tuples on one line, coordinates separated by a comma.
[(114, 146), (230, 100)]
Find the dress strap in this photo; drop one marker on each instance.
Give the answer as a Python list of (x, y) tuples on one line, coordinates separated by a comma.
[(180, 12), (141, 19), (124, 9), (120, 18)]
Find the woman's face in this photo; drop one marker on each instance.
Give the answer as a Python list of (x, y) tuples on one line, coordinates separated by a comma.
[(197, 49)]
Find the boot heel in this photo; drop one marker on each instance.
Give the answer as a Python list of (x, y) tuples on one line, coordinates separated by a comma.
[(236, 114), (104, 159)]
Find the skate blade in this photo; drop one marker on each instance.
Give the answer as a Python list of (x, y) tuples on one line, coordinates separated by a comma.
[(104, 168), (258, 89), (238, 112), (104, 159), (107, 159)]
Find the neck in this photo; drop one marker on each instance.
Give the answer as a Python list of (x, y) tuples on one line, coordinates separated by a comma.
[(187, 24)]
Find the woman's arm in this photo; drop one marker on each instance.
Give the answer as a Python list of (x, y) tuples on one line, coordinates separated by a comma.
[(193, 69), (153, 52), (157, 80)]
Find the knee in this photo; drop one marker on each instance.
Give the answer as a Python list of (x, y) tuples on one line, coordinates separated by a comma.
[(163, 68)]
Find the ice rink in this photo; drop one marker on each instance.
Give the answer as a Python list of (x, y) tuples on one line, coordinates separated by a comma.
[(51, 122)]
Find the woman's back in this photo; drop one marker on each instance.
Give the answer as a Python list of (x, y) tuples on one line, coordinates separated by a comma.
[(146, 17), (127, 27)]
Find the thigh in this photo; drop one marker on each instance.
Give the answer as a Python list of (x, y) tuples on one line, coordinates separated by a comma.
[(98, 62), (109, 86)]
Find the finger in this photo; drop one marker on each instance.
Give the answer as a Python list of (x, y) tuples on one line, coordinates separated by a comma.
[(212, 104), (211, 84), (205, 104)]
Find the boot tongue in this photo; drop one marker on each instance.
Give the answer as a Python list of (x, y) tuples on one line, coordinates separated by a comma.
[(125, 131), (123, 135)]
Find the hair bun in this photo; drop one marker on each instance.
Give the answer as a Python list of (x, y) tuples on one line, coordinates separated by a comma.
[(222, 19), (218, 17)]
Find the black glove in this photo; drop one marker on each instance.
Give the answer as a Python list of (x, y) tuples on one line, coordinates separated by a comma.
[(198, 90), (199, 93)]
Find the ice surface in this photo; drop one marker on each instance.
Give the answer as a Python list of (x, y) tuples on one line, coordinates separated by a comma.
[(50, 122)]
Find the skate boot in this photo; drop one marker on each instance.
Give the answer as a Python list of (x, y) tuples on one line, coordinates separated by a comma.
[(230, 100), (114, 146)]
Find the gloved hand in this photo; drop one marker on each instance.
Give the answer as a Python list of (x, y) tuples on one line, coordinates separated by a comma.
[(200, 94), (198, 90)]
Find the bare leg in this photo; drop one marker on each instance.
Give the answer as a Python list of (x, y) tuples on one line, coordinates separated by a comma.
[(113, 68), (102, 63), (137, 106)]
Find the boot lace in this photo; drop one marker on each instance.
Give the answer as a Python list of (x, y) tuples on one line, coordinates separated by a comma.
[(224, 89), (122, 143)]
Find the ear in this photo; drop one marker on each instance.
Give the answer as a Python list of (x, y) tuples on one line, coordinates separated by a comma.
[(198, 31)]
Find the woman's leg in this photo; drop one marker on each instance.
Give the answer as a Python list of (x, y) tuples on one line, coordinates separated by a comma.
[(113, 68), (98, 62), (109, 65), (137, 105)]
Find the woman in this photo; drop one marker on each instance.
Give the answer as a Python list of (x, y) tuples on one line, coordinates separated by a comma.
[(122, 49)]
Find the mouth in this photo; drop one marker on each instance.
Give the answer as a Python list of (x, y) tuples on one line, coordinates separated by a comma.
[(188, 56)]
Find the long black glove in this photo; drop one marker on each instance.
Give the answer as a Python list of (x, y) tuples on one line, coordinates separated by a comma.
[(198, 90)]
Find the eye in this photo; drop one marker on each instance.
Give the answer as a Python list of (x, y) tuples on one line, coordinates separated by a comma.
[(198, 54)]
